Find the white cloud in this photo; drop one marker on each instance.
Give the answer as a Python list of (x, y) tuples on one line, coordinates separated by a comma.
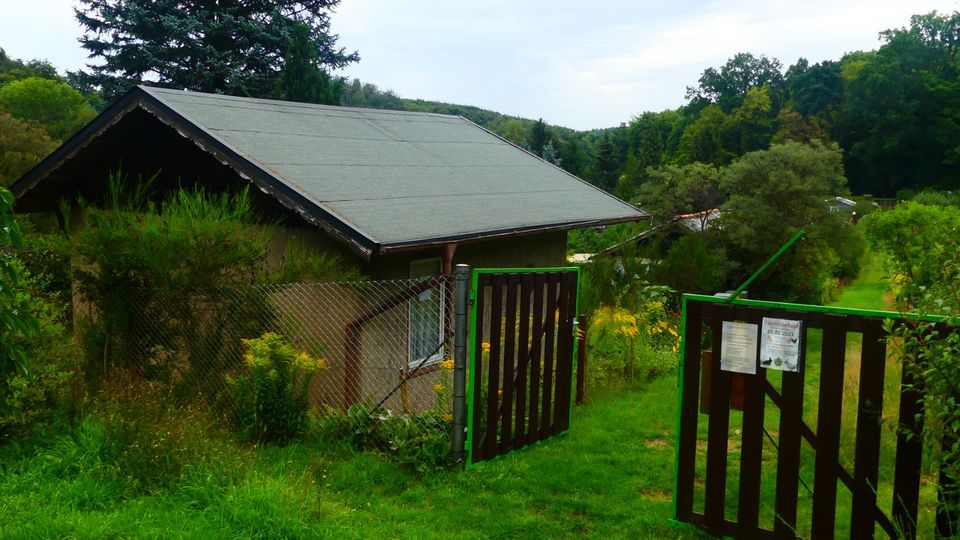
[(578, 64)]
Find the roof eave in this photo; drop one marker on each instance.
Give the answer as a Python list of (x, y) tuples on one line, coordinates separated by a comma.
[(464, 238), (110, 116)]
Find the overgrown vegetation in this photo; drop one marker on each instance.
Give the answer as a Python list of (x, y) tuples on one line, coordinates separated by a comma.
[(311, 490), (37, 358), (923, 245), (269, 396)]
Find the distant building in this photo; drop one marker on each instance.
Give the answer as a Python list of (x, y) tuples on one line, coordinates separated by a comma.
[(841, 204)]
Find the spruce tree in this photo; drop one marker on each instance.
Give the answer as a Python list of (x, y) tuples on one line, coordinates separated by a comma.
[(236, 48), (303, 79)]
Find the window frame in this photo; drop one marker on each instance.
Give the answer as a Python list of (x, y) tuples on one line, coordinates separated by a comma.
[(412, 359)]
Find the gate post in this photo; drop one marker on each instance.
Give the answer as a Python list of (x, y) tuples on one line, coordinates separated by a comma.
[(461, 294)]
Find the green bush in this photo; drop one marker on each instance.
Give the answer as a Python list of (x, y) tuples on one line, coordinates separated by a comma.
[(625, 345), (15, 324), (269, 399), (47, 256), (38, 392), (693, 265), (923, 245), (420, 441)]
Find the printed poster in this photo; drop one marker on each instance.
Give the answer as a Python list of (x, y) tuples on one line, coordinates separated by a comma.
[(738, 350), (780, 344)]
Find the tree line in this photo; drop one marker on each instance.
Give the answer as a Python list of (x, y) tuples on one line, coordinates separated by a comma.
[(892, 111)]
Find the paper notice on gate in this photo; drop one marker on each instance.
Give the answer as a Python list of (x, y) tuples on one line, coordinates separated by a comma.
[(738, 352), (780, 344)]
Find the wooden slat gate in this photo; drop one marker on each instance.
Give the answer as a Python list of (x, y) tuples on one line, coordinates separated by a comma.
[(521, 355), (712, 509)]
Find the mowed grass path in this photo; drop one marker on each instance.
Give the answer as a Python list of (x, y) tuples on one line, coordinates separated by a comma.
[(869, 289), (611, 476)]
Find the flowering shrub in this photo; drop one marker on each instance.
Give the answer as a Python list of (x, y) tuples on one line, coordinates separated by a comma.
[(443, 390), (270, 399), (626, 344)]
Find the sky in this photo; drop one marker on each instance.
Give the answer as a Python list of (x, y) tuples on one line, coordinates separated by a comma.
[(581, 64)]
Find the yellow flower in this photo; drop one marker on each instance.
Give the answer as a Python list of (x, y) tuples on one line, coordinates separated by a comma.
[(448, 417), (485, 346), (628, 330), (437, 388), (673, 332), (446, 365)]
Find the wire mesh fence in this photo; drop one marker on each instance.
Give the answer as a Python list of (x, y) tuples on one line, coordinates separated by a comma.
[(384, 344)]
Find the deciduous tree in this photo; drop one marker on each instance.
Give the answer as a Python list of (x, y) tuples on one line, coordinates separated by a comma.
[(728, 85), (59, 109), (22, 146)]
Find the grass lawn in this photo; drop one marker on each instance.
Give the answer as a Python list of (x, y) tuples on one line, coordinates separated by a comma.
[(611, 476), (869, 289)]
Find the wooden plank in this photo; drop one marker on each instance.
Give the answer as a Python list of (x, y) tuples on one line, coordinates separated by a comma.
[(565, 367), (687, 444), (718, 431), (869, 417), (788, 454), (832, 361), (751, 453), (550, 304), (509, 357), (706, 366), (477, 375), (493, 379), (730, 528), (523, 360), (536, 349), (906, 476)]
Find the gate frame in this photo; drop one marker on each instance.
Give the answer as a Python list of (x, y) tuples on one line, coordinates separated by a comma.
[(472, 326), (765, 304)]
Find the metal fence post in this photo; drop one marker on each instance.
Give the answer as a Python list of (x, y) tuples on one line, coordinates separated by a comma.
[(461, 276)]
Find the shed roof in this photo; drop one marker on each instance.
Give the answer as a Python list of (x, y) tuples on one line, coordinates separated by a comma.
[(381, 180)]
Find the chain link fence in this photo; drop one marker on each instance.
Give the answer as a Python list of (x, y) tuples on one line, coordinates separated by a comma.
[(385, 344)]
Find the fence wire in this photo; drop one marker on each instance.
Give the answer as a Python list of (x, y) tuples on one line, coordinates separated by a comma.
[(383, 342)]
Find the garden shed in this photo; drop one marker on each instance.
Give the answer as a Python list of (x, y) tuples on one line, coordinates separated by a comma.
[(390, 187), (406, 195)]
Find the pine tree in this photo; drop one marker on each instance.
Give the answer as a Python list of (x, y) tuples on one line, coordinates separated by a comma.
[(604, 168), (539, 135), (231, 47)]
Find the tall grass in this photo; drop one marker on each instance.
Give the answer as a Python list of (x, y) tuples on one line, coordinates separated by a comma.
[(610, 477)]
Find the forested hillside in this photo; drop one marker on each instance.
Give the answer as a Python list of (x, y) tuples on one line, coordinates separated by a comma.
[(893, 112)]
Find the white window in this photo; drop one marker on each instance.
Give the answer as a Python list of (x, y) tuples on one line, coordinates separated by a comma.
[(425, 327)]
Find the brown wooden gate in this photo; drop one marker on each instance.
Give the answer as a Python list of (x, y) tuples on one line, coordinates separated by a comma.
[(521, 358), (712, 509)]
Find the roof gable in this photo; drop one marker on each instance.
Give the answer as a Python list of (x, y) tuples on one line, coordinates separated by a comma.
[(381, 180)]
